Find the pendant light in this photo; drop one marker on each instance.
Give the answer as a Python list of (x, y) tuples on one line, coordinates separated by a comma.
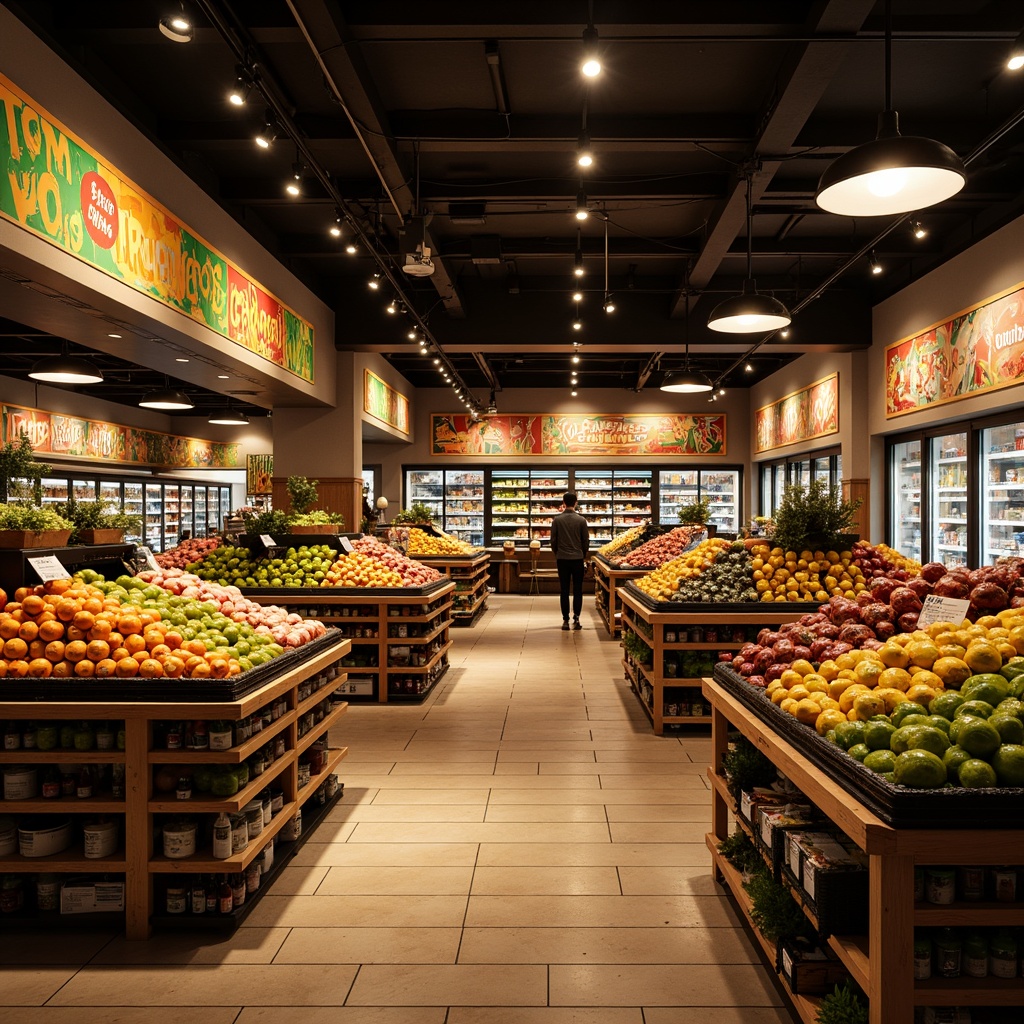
[(166, 398), (686, 381), (751, 311), (229, 417), (893, 173), (65, 369)]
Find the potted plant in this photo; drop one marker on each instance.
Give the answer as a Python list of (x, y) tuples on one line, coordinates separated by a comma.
[(417, 514), (30, 526), (697, 513), (18, 463), (304, 496), (815, 517), (98, 522)]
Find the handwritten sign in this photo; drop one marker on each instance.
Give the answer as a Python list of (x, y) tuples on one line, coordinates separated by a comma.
[(48, 567), (942, 609)]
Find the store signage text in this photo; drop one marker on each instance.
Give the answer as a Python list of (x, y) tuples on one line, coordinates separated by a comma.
[(58, 188), (802, 415)]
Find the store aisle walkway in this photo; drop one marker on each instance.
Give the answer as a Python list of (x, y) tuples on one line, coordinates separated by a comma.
[(521, 849)]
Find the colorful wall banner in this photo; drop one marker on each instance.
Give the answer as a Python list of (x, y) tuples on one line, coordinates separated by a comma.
[(75, 437), (978, 350), (811, 412), (384, 403), (259, 474), (559, 436), (55, 186)]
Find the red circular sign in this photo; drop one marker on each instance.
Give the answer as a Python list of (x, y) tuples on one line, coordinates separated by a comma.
[(99, 208)]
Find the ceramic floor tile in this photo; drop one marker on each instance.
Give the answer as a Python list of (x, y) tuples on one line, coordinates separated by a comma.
[(699, 811), (370, 946), (357, 911), (594, 854), (225, 985), (394, 881), (535, 881), (424, 797), (341, 1015), (545, 1015), (244, 946), (658, 985), (719, 1015), (374, 854), (451, 985), (123, 1015), (417, 812), (420, 768), (660, 880), (52, 947), (606, 946), (506, 755), (510, 797), (33, 985), (660, 832), (482, 832), (600, 912), (546, 812)]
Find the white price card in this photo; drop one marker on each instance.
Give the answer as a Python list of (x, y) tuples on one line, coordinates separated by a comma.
[(48, 567), (268, 541), (942, 609), (146, 555), (346, 545)]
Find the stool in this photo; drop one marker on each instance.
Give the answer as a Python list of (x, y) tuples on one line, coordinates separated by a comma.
[(535, 574)]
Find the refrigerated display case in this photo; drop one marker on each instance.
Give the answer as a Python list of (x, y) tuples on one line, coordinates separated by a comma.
[(594, 490), (510, 505), (1002, 505), (948, 460), (546, 492), (905, 497), (54, 489), (631, 498), (455, 497), (84, 490), (721, 487), (426, 487), (676, 488), (217, 505), (186, 526), (134, 496), (154, 522)]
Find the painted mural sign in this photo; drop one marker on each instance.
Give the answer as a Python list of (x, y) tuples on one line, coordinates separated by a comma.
[(259, 474), (979, 350), (811, 412), (384, 403), (567, 435), (55, 186), (75, 437)]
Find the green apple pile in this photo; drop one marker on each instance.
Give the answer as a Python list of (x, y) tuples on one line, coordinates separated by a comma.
[(304, 566)]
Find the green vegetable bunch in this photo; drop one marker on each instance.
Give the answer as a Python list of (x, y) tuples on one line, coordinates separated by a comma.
[(269, 522), (843, 1006), (32, 518), (317, 518), (746, 767), (636, 648), (418, 512)]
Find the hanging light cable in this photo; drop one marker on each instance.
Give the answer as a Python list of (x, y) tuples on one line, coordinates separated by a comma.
[(686, 381), (609, 304)]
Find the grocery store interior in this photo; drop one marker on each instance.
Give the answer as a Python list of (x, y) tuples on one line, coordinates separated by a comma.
[(447, 264)]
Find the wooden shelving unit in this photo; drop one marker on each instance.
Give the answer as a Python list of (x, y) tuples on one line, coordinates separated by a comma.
[(136, 858), (731, 629), (881, 962), (608, 577), (373, 621), (470, 574)]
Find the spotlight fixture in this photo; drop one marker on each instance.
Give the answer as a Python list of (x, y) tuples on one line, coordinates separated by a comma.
[(1015, 58), (575, 357), (411, 335), (590, 66), (893, 173), (166, 398), (784, 333), (582, 210), (392, 307), (265, 136), (294, 186), (336, 228), (114, 336), (223, 376), (492, 405), (573, 392), (351, 248), (584, 155), (874, 264), (577, 324), (609, 304), (374, 283), (437, 360), (751, 311), (229, 418), (721, 391), (65, 369), (177, 28), (239, 92), (577, 296), (748, 368), (918, 229), (577, 265)]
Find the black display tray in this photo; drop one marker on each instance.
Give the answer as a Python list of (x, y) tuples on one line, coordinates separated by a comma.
[(295, 540), (947, 808), (166, 690), (698, 608), (308, 593)]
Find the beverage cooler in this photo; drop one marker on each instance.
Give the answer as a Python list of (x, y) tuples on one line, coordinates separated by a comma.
[(523, 503), (454, 496), (720, 486), (612, 500), (1002, 492)]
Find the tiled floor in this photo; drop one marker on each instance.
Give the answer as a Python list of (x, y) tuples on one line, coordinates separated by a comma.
[(520, 849)]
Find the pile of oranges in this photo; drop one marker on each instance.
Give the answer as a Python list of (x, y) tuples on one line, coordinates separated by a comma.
[(66, 628)]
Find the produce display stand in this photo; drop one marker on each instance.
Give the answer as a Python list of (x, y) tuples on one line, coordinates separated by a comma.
[(732, 626), (608, 577), (880, 962), (399, 635), (471, 575), (136, 857), (15, 570)]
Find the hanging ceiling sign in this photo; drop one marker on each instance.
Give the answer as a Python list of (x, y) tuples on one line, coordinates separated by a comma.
[(58, 188), (559, 436), (978, 350), (73, 437), (802, 415), (384, 403)]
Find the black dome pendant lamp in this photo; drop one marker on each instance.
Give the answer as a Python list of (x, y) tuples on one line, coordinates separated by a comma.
[(893, 173), (750, 311), (686, 381)]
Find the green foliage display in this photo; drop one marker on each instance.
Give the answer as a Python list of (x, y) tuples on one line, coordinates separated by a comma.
[(697, 513), (31, 517), (97, 515), (739, 851), (303, 494), (18, 462), (636, 647), (258, 522), (773, 909), (418, 512), (843, 1006), (746, 768), (815, 515), (317, 518)]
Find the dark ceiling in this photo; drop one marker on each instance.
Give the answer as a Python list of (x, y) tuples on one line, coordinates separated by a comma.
[(452, 113)]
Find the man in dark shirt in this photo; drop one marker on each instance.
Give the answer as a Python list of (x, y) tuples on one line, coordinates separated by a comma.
[(570, 542)]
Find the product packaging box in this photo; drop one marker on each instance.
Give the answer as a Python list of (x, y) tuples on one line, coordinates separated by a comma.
[(88, 896)]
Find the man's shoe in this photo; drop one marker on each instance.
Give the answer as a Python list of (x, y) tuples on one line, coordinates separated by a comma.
[(565, 624), (575, 624)]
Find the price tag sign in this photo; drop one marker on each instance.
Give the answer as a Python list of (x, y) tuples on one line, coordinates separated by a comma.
[(48, 567), (267, 540), (942, 609), (346, 545), (146, 555)]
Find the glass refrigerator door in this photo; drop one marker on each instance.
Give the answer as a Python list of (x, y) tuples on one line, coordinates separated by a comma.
[(905, 489), (1002, 503), (187, 528), (510, 506), (464, 505), (154, 516), (631, 505), (199, 509), (84, 490), (110, 490), (948, 465), (546, 490), (675, 489), (424, 487), (594, 501), (722, 489), (133, 505), (54, 489), (172, 516)]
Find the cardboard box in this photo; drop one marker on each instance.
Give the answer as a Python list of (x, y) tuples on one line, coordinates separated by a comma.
[(86, 896), (807, 968)]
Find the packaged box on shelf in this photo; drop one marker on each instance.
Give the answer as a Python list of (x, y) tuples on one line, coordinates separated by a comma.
[(773, 823), (833, 875), (750, 800), (356, 686), (90, 896), (806, 967)]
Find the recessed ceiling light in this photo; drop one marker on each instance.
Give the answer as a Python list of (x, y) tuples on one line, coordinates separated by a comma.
[(181, 359), (223, 376), (114, 335), (351, 248)]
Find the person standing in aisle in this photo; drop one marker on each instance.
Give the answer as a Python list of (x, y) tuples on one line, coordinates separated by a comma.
[(570, 542)]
